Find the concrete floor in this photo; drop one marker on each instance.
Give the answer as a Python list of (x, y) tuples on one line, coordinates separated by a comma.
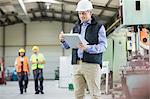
[(51, 90)]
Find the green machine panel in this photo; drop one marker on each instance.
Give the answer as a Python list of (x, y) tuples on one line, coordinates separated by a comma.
[(120, 57), (108, 54), (116, 54), (136, 12)]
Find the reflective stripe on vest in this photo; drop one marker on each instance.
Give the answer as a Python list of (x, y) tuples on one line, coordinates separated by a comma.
[(19, 64), (34, 59)]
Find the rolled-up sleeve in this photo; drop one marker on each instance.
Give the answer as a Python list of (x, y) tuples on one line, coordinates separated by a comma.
[(102, 43)]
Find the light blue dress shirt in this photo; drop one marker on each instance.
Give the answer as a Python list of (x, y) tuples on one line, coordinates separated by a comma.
[(92, 49)]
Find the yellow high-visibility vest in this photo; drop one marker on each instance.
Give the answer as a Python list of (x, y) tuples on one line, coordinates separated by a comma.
[(38, 57)]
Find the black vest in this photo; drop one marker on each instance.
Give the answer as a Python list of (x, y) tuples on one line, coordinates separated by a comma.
[(91, 36)]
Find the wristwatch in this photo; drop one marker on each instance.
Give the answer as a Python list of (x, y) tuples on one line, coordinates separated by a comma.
[(62, 41)]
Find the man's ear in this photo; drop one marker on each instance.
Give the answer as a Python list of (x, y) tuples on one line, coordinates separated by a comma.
[(91, 12)]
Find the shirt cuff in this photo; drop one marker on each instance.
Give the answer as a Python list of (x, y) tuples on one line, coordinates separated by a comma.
[(88, 49)]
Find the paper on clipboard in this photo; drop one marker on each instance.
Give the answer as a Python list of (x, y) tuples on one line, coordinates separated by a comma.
[(74, 39)]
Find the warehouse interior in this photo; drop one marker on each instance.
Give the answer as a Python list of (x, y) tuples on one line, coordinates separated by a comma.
[(28, 23)]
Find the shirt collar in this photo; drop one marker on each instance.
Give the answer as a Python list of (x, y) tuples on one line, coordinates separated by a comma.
[(88, 22)]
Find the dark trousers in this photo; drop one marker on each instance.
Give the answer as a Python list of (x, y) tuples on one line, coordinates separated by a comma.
[(22, 77), (38, 75)]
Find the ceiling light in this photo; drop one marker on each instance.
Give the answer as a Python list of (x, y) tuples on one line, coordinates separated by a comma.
[(23, 6), (48, 4)]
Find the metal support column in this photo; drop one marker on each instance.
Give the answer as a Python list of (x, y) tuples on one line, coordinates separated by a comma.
[(149, 46), (138, 39), (4, 31), (63, 24), (25, 36)]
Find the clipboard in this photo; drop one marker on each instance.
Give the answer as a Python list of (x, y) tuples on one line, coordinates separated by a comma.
[(73, 39)]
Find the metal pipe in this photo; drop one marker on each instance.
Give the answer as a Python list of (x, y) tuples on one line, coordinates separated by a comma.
[(118, 20), (138, 39)]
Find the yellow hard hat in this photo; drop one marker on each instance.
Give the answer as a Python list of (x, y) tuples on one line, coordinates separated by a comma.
[(35, 48), (22, 50)]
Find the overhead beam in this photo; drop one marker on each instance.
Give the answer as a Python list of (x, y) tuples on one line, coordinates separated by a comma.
[(33, 13), (75, 3), (105, 7), (113, 22), (5, 3), (15, 16), (112, 19), (52, 19), (11, 23), (72, 13), (7, 18), (46, 18), (8, 14), (41, 7), (2, 12), (1, 21)]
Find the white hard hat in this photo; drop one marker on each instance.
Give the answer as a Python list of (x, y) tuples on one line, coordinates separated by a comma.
[(84, 5)]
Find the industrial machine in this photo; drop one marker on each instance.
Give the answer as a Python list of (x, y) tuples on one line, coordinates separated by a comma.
[(129, 52), (129, 62)]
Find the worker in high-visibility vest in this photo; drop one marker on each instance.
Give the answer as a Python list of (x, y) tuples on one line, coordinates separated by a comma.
[(37, 60), (22, 69)]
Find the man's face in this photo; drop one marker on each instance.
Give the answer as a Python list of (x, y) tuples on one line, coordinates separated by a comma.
[(84, 15), (35, 51)]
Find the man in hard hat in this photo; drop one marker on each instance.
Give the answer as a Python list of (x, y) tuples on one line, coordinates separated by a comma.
[(37, 60), (22, 69), (88, 57)]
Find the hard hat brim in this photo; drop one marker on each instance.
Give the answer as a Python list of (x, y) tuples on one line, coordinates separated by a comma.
[(83, 10)]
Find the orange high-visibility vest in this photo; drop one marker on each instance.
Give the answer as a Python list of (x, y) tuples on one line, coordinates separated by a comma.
[(25, 67)]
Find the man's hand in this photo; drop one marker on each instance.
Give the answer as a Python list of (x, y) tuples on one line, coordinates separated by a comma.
[(34, 62), (82, 47), (61, 37), (41, 62)]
